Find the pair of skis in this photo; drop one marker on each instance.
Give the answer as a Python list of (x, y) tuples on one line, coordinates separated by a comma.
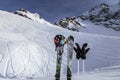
[(60, 41)]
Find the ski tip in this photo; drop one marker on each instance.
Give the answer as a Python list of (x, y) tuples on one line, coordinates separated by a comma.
[(71, 37), (59, 36), (59, 40)]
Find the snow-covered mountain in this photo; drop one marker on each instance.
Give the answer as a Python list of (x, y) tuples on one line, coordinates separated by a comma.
[(101, 15), (28, 51), (32, 16), (70, 23)]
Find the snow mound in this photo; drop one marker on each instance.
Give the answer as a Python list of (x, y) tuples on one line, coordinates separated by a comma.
[(25, 47)]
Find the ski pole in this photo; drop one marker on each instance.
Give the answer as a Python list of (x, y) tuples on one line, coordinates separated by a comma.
[(83, 66), (78, 68)]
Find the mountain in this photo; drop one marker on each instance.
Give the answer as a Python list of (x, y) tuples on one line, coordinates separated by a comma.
[(28, 50), (32, 16), (70, 23), (101, 15)]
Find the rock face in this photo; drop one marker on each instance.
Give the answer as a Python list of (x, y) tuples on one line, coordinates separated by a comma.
[(70, 23), (103, 15), (116, 15), (99, 13), (25, 13)]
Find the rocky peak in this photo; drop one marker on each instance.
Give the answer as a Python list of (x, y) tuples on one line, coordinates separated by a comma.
[(25, 13), (71, 23), (103, 15)]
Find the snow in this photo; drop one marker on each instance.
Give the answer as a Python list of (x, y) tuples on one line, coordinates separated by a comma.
[(95, 75), (28, 51), (115, 6), (23, 53), (98, 29)]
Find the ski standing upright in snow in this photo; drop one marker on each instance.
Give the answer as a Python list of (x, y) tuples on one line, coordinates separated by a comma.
[(59, 41), (70, 48)]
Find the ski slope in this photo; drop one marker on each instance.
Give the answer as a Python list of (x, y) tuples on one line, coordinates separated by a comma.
[(97, 75), (28, 51)]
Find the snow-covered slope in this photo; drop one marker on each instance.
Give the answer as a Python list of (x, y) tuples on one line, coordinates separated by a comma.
[(25, 47), (28, 51), (112, 74)]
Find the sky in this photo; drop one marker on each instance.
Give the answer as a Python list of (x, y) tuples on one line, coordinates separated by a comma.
[(53, 10)]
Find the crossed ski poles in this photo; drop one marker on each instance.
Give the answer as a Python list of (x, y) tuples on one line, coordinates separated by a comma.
[(80, 53)]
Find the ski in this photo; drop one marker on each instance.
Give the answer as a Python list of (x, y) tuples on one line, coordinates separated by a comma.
[(59, 44), (70, 45)]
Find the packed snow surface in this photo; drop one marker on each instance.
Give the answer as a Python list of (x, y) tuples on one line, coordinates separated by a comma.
[(28, 51)]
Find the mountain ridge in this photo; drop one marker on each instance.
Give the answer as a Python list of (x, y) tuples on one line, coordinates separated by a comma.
[(99, 15)]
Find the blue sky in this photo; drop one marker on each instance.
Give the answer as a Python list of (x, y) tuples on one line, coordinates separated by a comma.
[(52, 10)]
